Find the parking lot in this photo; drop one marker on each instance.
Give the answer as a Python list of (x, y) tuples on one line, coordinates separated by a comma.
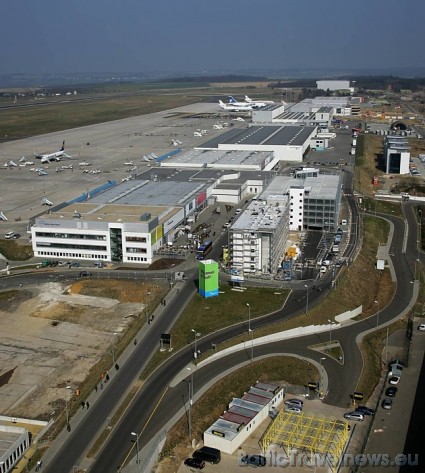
[(232, 463)]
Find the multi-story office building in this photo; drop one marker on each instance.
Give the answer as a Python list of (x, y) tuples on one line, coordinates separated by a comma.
[(257, 238)]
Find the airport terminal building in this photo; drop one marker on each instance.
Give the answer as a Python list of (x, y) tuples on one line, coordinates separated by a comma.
[(126, 223)]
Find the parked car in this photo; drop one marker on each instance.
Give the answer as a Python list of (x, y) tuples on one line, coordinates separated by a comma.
[(84, 274), (15, 236), (394, 380), (254, 460), (294, 402), (293, 409), (421, 327), (353, 415), (391, 391), (387, 403), (74, 264), (208, 454), (367, 411), (194, 463)]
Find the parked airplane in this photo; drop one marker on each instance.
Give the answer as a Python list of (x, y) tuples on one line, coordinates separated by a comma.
[(56, 156), (46, 201), (246, 107), (260, 103), (253, 104), (10, 164)]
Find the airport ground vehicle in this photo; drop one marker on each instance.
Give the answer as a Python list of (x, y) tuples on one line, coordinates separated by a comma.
[(208, 454), (194, 463), (353, 415), (9, 235), (254, 460), (421, 327)]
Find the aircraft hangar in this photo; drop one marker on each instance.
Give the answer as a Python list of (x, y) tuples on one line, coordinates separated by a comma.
[(288, 143)]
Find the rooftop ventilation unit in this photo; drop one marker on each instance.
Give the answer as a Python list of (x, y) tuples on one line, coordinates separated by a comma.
[(145, 217)]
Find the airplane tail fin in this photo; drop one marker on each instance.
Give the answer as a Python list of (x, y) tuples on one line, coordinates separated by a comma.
[(232, 99), (63, 146), (221, 103), (247, 99)]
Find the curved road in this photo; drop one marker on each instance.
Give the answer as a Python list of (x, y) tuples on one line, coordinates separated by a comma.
[(342, 378)]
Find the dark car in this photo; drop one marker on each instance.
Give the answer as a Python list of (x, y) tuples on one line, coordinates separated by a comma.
[(84, 274), (254, 460), (194, 463), (387, 403), (16, 236), (391, 391), (208, 454), (74, 264), (367, 411)]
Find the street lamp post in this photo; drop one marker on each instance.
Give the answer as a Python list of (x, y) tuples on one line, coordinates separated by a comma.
[(196, 335), (68, 399), (377, 314), (322, 359), (330, 331), (134, 434), (306, 303), (190, 388), (113, 348), (147, 294), (250, 331)]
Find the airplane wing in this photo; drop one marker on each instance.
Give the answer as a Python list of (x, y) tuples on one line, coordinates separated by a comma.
[(66, 155)]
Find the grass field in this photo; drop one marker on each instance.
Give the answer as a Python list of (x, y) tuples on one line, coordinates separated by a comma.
[(30, 121)]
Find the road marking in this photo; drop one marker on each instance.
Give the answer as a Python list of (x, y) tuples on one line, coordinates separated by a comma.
[(144, 427)]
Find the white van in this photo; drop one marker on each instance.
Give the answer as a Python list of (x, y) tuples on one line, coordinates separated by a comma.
[(9, 235)]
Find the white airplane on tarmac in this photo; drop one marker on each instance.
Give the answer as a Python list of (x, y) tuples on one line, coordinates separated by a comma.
[(259, 103), (56, 156), (231, 107)]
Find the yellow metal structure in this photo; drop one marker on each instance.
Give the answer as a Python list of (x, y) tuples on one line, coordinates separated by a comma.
[(309, 434)]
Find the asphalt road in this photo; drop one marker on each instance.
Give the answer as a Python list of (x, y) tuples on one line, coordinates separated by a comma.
[(342, 378)]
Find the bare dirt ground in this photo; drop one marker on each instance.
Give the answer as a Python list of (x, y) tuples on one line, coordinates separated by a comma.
[(52, 337)]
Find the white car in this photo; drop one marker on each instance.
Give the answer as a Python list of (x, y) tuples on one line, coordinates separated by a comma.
[(421, 327), (293, 409), (394, 380)]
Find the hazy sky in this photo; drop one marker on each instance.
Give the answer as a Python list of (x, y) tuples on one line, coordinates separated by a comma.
[(39, 36)]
